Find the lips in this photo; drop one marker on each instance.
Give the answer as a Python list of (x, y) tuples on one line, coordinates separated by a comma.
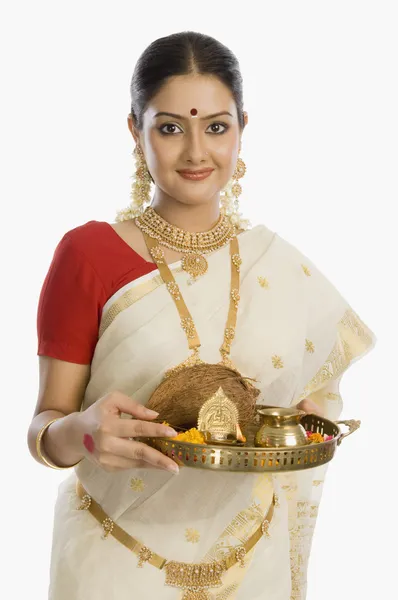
[(199, 171), (195, 175)]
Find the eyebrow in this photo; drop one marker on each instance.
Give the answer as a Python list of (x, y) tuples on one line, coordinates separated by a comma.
[(167, 114)]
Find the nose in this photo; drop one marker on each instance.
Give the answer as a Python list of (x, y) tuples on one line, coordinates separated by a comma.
[(195, 150)]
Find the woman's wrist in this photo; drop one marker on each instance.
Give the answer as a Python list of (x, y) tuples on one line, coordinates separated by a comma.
[(59, 443)]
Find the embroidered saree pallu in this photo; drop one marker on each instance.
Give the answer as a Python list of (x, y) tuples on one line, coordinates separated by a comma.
[(290, 335)]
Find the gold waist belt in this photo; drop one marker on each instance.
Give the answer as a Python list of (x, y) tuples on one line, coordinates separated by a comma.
[(195, 578)]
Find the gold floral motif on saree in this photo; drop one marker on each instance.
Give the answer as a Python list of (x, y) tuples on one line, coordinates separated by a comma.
[(192, 535), (137, 484), (309, 346), (277, 362), (263, 281), (317, 482)]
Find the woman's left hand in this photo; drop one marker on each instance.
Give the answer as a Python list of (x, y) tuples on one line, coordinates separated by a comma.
[(309, 407)]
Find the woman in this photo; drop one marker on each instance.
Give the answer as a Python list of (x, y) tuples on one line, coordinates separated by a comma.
[(126, 306)]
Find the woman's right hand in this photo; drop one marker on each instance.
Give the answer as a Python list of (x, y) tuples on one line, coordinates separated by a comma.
[(104, 437)]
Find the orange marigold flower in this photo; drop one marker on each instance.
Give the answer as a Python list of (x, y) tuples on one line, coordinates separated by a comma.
[(316, 438), (194, 436)]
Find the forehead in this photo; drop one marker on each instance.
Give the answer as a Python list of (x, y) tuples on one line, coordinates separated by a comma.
[(180, 94)]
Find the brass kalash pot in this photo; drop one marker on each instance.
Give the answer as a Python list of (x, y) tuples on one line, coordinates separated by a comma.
[(280, 427)]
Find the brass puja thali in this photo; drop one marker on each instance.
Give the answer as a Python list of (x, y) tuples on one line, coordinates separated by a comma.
[(276, 440)]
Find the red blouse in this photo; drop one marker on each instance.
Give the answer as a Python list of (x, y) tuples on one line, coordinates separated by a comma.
[(90, 263)]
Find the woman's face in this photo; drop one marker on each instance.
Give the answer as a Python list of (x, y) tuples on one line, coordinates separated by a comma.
[(180, 141)]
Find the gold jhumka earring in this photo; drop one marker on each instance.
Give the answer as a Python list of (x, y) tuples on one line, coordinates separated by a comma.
[(230, 197), (140, 188)]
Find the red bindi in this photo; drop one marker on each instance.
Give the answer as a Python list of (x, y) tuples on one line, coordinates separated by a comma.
[(88, 443), (194, 112)]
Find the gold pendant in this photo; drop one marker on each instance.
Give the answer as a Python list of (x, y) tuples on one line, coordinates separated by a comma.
[(195, 579), (194, 264)]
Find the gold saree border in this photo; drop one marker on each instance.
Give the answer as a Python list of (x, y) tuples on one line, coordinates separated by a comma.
[(130, 297), (240, 528), (354, 339)]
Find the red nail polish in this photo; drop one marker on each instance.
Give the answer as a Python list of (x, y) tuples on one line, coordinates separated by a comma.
[(88, 443)]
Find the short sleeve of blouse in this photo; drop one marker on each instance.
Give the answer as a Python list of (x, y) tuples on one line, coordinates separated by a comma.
[(70, 306)]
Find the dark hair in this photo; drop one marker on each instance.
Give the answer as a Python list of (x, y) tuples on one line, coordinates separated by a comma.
[(183, 53)]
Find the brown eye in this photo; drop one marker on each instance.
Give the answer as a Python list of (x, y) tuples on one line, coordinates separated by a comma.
[(169, 129), (216, 128)]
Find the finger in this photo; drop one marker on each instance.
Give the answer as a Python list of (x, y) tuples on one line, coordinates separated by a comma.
[(117, 402), (141, 452), (127, 428)]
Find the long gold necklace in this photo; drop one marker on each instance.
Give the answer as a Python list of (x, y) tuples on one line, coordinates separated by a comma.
[(186, 319), (193, 245)]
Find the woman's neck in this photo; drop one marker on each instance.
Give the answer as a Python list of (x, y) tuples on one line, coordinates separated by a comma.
[(190, 217)]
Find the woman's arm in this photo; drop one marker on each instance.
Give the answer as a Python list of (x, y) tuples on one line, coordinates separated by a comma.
[(108, 438), (61, 392)]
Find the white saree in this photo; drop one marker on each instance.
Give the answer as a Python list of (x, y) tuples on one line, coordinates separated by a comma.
[(296, 336)]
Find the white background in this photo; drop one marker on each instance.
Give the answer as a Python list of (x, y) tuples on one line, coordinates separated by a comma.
[(320, 85)]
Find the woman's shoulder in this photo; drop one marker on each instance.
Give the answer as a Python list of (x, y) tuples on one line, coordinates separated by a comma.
[(92, 246), (100, 247), (100, 244), (89, 235)]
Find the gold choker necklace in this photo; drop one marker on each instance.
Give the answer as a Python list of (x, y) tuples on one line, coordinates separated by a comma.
[(193, 245)]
